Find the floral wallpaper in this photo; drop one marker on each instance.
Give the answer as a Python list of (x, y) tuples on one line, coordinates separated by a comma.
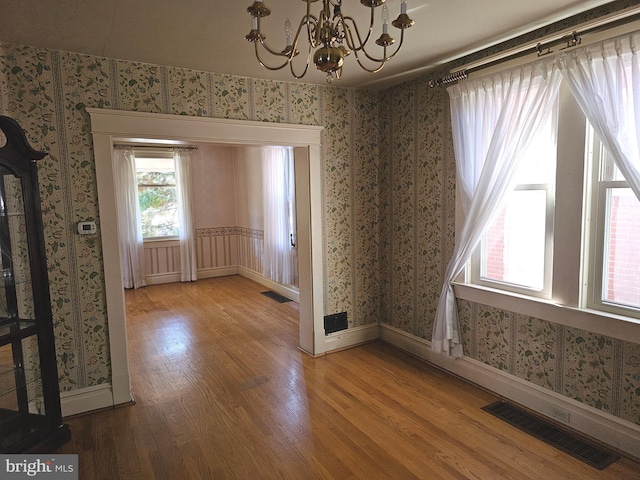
[(416, 234), (388, 213), (597, 370), (47, 93)]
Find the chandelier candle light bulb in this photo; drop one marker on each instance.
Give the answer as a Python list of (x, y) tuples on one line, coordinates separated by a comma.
[(329, 37), (287, 31), (385, 19)]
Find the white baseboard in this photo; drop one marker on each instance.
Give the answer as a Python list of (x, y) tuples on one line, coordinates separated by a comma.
[(351, 337), (621, 435), (160, 278), (174, 277), (288, 292), (217, 272), (86, 399)]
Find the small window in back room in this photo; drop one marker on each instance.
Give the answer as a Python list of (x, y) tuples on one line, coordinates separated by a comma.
[(157, 196)]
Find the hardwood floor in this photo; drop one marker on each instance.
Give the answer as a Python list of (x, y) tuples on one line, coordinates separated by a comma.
[(223, 392)]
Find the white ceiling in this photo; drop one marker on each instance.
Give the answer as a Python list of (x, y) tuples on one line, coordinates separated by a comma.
[(209, 34)]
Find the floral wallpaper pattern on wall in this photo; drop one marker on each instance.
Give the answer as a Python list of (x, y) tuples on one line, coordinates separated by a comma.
[(338, 200), (536, 351), (402, 202), (417, 203), (47, 93), (599, 371), (366, 213), (189, 92)]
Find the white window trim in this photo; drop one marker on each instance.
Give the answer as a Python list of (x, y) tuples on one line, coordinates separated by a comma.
[(594, 226), (596, 321), (157, 153), (545, 292), (568, 304), (157, 240)]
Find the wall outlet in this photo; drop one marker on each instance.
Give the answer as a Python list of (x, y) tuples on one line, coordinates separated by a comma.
[(561, 415), (335, 323)]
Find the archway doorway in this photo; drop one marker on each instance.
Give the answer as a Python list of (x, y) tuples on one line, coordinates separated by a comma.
[(111, 126)]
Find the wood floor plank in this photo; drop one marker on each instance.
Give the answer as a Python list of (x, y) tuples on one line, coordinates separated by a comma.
[(223, 392)]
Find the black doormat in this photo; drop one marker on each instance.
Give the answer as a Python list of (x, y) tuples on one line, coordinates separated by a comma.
[(276, 296), (573, 445)]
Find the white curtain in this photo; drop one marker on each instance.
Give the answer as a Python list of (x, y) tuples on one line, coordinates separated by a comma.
[(605, 80), (129, 224), (188, 265), (280, 262), (493, 121)]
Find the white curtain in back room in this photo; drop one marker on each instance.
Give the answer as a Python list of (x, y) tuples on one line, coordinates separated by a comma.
[(280, 261), (129, 224), (188, 264)]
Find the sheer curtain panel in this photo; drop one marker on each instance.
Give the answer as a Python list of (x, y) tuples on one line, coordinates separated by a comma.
[(604, 78), (188, 265), (280, 262), (129, 224), (493, 120)]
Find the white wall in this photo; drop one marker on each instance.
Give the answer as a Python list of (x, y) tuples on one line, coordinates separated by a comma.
[(213, 187), (249, 197)]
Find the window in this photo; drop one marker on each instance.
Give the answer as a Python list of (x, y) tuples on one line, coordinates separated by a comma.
[(615, 235), (516, 251), (157, 195)]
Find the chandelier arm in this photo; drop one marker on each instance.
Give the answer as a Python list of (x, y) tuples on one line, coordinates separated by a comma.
[(286, 53), (268, 67), (304, 72), (371, 70), (311, 22), (306, 68), (272, 51), (349, 36), (313, 26), (385, 57), (380, 61)]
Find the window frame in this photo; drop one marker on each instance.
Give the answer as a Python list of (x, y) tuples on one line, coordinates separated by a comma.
[(476, 265), (598, 187), (159, 153), (573, 284), (567, 305)]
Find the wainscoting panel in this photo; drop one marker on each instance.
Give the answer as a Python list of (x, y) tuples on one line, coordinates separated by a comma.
[(216, 247), (161, 258), (219, 251), (250, 245)]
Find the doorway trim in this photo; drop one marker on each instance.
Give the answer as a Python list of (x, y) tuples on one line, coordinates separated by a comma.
[(110, 126)]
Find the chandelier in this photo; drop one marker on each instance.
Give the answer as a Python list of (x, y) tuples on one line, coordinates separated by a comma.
[(330, 36)]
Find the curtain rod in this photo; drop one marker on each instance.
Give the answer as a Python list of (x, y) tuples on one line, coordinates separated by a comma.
[(156, 147), (570, 37)]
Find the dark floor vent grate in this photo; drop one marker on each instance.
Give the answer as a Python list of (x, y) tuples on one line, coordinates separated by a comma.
[(547, 432), (276, 296)]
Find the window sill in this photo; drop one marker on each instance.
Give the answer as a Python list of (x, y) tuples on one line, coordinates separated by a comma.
[(159, 242), (603, 323)]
